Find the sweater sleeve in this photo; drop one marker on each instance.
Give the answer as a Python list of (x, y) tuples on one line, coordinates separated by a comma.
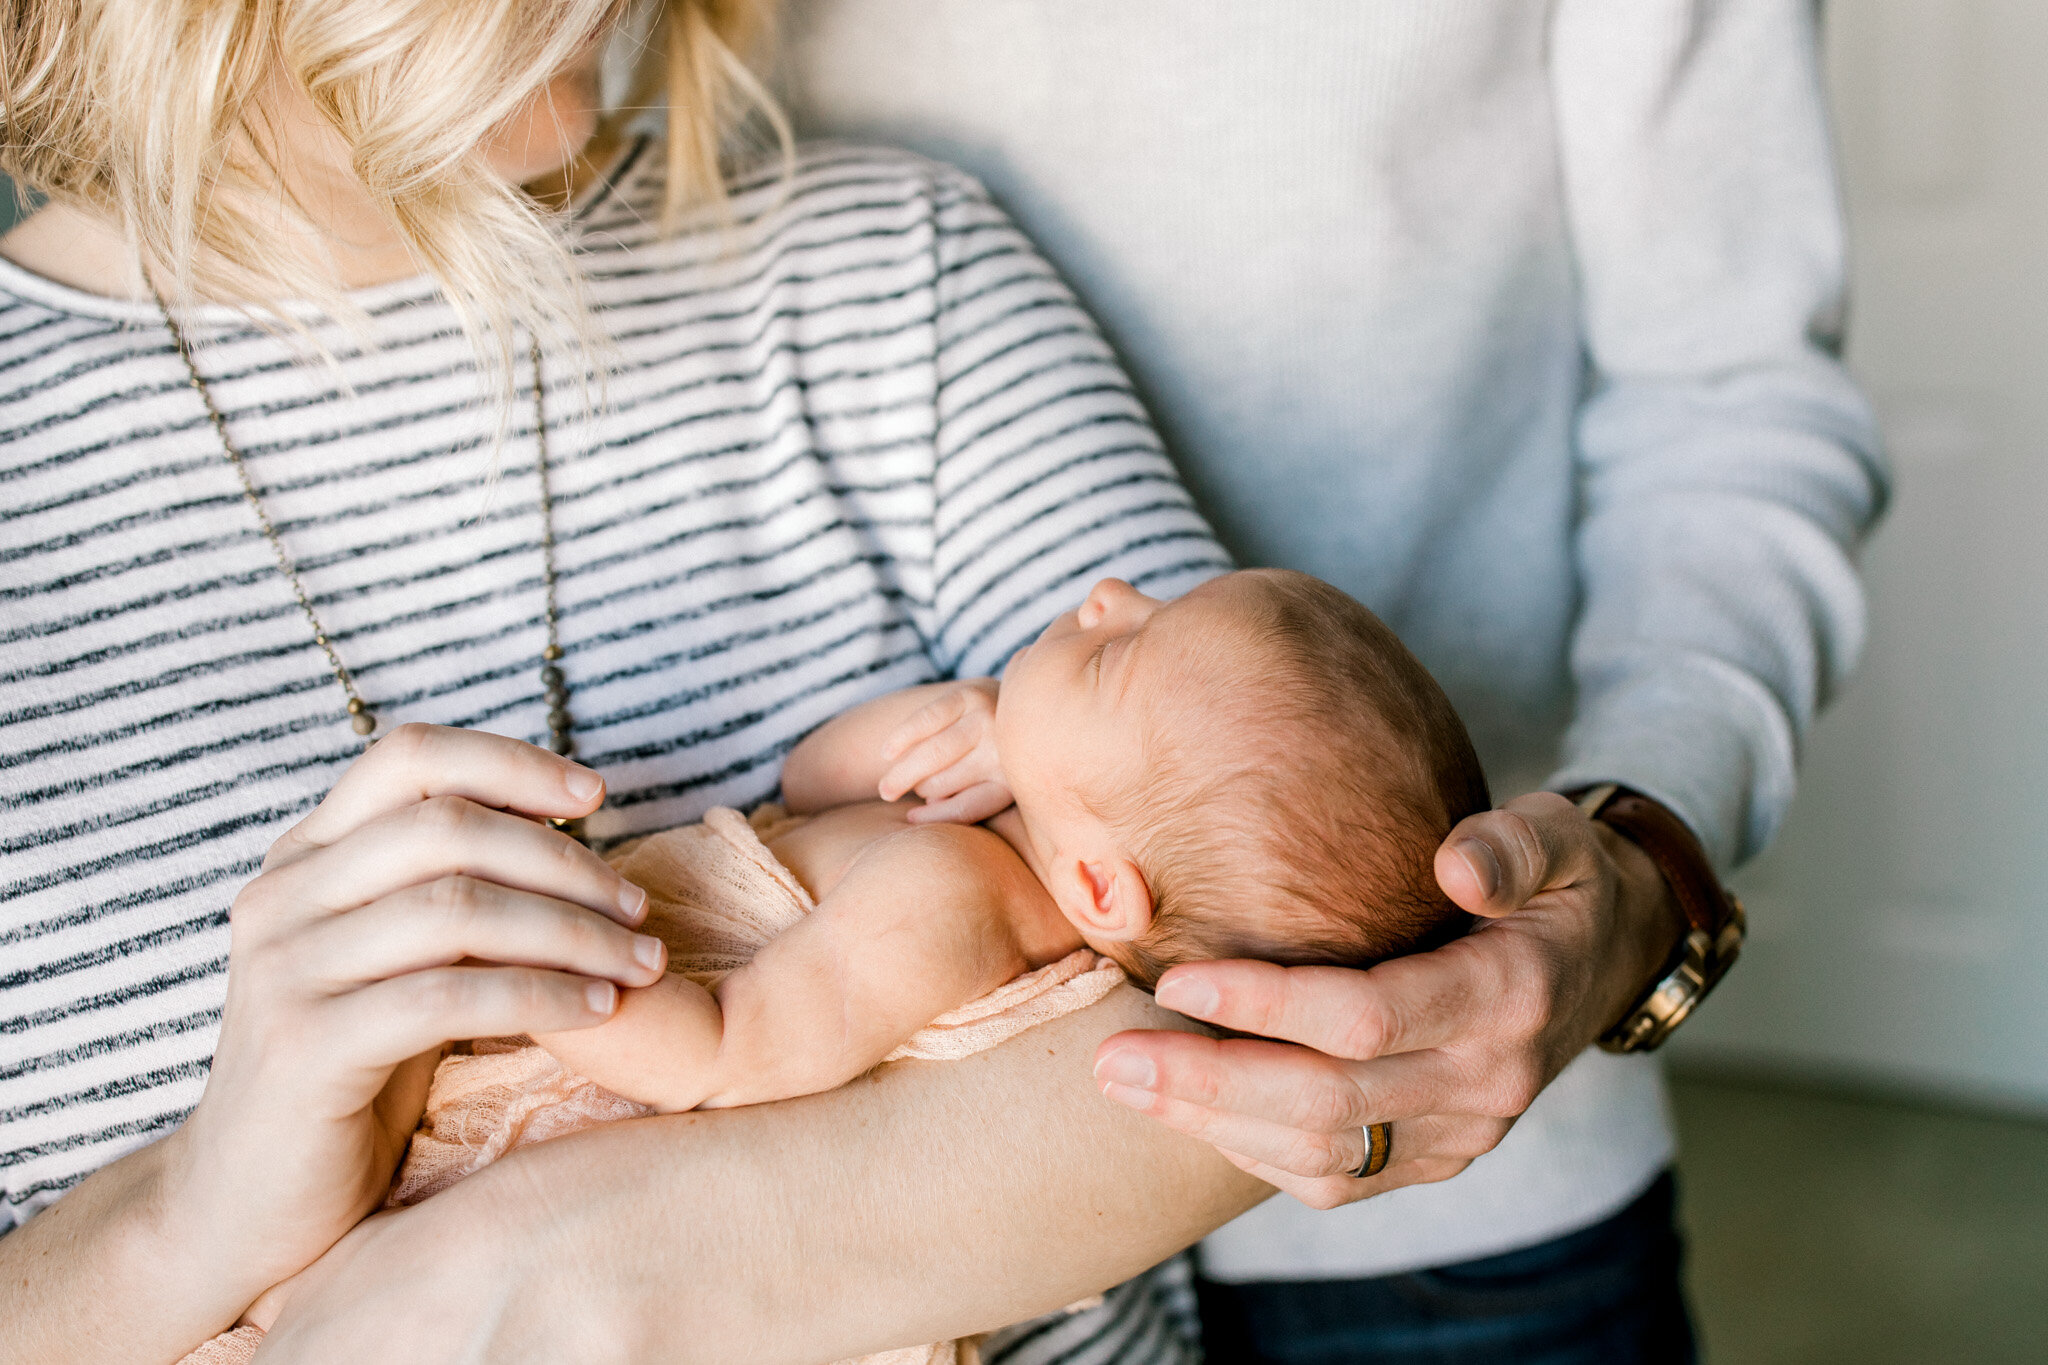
[(1048, 475), (1728, 467)]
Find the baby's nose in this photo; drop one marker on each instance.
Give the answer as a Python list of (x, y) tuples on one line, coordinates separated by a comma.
[(1103, 600), (1115, 603)]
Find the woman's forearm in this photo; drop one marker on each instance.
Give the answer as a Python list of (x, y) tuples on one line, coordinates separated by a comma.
[(927, 1201), (930, 1201), (114, 1271)]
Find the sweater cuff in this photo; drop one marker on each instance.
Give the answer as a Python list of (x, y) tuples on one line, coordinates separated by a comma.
[(1705, 739)]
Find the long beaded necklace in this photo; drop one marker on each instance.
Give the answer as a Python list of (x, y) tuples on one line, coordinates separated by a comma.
[(554, 683)]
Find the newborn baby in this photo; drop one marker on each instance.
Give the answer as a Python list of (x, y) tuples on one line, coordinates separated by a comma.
[(1258, 769)]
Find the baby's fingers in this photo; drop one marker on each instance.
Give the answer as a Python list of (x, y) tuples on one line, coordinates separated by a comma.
[(930, 758), (928, 720), (970, 807)]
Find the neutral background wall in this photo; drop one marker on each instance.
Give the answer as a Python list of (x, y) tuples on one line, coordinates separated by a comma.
[(1900, 926)]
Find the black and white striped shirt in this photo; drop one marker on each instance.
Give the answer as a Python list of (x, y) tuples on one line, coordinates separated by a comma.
[(858, 438)]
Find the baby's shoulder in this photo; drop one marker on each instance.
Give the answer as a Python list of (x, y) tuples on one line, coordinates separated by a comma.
[(960, 865), (966, 860)]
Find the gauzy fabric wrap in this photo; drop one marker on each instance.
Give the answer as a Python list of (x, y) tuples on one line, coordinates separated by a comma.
[(715, 895)]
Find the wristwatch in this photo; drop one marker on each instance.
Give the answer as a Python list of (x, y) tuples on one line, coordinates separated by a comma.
[(1713, 914)]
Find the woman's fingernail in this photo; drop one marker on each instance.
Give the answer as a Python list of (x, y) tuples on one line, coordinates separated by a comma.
[(632, 900), (583, 784), (1124, 1067), (1124, 1094), (1485, 867), (649, 951), (602, 997), (1190, 995)]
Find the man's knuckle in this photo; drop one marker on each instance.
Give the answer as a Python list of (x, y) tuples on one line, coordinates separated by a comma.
[(1313, 1156), (1324, 1195), (1516, 1084), (1366, 1030), (1329, 1106), (1516, 979), (1481, 1137)]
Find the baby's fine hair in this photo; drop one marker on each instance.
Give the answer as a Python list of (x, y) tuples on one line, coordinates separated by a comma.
[(1296, 818)]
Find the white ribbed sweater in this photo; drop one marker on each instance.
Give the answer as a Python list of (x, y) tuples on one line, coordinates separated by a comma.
[(1512, 317)]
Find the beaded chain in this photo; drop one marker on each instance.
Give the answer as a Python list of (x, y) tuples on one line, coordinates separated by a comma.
[(361, 718)]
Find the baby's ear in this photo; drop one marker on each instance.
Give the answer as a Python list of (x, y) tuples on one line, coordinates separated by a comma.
[(1106, 898)]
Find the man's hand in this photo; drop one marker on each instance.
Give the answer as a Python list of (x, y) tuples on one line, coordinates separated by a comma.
[(946, 753), (1451, 1046)]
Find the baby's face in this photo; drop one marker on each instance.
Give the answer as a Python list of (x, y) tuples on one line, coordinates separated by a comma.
[(1076, 706)]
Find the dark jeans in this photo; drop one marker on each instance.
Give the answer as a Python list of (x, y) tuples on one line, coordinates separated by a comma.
[(1605, 1295)]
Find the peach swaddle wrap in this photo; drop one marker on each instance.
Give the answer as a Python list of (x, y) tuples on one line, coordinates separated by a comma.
[(716, 894)]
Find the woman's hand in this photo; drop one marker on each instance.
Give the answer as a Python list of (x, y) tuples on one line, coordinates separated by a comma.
[(1451, 1046), (946, 753), (422, 901)]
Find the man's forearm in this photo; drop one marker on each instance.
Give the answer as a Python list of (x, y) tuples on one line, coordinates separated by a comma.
[(927, 1201)]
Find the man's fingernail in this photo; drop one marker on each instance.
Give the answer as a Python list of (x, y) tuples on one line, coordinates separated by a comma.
[(649, 951), (1124, 1094), (632, 900), (602, 997), (1485, 867), (1124, 1067), (1190, 995), (583, 784)]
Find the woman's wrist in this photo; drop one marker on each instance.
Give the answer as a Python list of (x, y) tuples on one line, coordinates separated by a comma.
[(120, 1268), (190, 1224)]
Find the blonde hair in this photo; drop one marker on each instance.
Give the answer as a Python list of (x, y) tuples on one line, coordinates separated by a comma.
[(151, 112)]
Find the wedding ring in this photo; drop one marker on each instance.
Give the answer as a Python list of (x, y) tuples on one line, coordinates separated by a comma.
[(1379, 1145)]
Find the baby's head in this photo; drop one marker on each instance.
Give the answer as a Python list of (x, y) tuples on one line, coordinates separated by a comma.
[(1258, 769)]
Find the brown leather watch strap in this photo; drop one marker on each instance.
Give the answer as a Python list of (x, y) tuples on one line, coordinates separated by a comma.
[(1714, 918), (1677, 854)]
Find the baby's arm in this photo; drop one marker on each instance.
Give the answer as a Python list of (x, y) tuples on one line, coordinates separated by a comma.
[(916, 926), (937, 740), (841, 761)]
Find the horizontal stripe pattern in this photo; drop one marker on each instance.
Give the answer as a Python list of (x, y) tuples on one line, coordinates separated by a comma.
[(1151, 1320), (858, 437)]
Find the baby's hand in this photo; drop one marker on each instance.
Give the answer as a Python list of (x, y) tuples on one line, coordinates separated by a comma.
[(946, 753)]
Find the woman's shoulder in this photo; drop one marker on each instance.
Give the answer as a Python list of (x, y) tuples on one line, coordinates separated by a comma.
[(861, 189)]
